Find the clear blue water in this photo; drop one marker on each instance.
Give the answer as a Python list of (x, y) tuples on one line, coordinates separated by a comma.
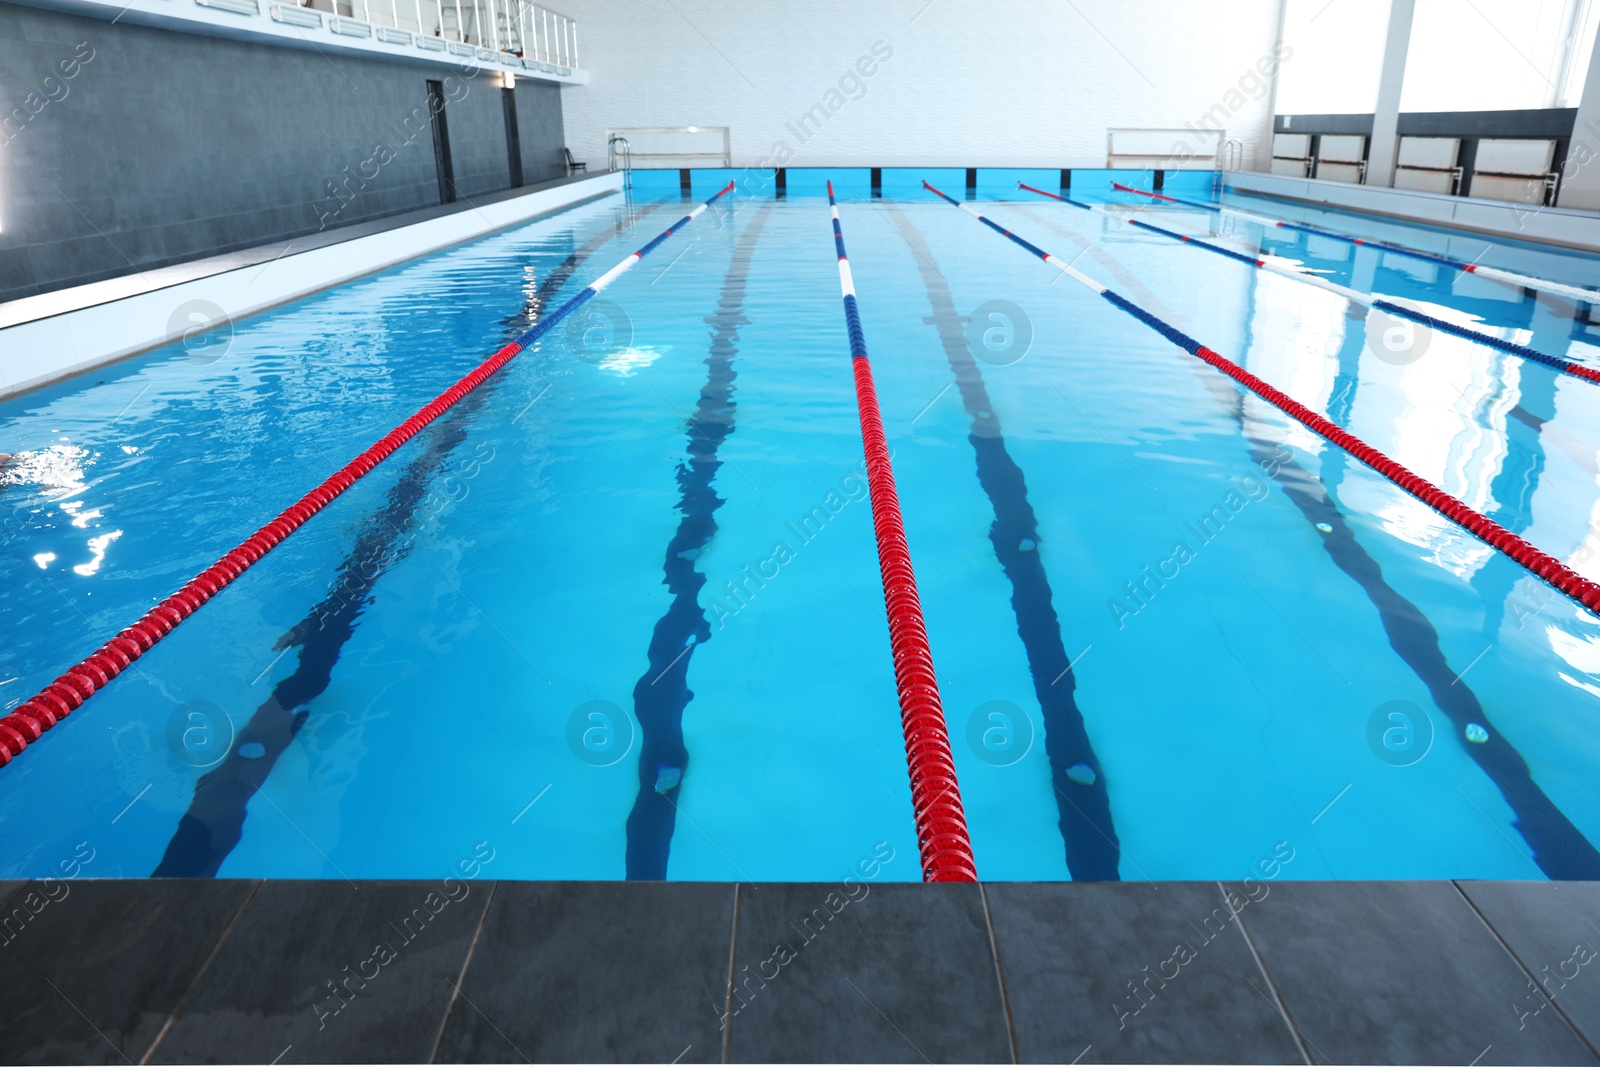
[(484, 674)]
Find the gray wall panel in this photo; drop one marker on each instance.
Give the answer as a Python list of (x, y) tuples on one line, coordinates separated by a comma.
[(161, 146), (477, 135), (540, 131)]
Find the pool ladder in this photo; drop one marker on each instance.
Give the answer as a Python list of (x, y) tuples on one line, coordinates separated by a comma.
[(617, 148), (1230, 154)]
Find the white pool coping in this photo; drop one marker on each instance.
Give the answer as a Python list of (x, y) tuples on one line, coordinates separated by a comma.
[(1557, 226), (52, 336)]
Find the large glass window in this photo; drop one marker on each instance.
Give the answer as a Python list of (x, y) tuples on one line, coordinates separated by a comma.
[(1497, 55), (1336, 57)]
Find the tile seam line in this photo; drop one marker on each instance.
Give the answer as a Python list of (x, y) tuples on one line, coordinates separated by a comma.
[(22, 884), (1261, 964), (727, 1004), (194, 983), (999, 972), (1548, 998), (461, 977)]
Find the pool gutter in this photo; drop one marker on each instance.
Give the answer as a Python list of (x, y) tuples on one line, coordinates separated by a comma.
[(1535, 224), (55, 335)]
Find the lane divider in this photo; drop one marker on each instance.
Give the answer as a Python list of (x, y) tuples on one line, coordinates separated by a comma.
[(1559, 849), (1565, 366), (208, 832), (1541, 564), (935, 796), (1543, 285), (29, 721), (1082, 796)]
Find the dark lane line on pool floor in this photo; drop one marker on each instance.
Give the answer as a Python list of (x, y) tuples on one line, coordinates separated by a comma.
[(662, 692), (1514, 485), (1559, 849), (214, 822), (1082, 801)]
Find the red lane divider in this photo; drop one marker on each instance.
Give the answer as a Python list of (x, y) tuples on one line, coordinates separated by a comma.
[(67, 693), (1481, 526), (1053, 196), (1540, 563), (935, 795), (1152, 196)]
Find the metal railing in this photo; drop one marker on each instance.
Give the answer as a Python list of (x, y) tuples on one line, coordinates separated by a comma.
[(1164, 149), (617, 148), (676, 146), (1230, 154), (529, 31)]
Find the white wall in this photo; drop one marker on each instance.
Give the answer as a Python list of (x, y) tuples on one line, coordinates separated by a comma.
[(1338, 57), (997, 83)]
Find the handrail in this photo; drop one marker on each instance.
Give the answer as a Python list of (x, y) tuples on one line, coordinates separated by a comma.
[(723, 156), (1231, 154), (526, 30), (625, 153), (1158, 148), (513, 33)]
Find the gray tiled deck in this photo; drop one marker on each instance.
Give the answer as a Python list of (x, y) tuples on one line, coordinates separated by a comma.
[(1351, 972)]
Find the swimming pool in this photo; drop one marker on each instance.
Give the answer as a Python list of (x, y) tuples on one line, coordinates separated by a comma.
[(618, 614)]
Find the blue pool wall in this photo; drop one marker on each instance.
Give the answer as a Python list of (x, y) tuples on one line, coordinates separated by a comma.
[(1088, 184), (856, 183)]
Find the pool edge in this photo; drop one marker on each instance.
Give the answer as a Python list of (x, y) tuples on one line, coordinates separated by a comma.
[(53, 347)]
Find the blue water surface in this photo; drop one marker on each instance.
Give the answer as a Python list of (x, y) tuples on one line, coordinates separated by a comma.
[(619, 613)]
